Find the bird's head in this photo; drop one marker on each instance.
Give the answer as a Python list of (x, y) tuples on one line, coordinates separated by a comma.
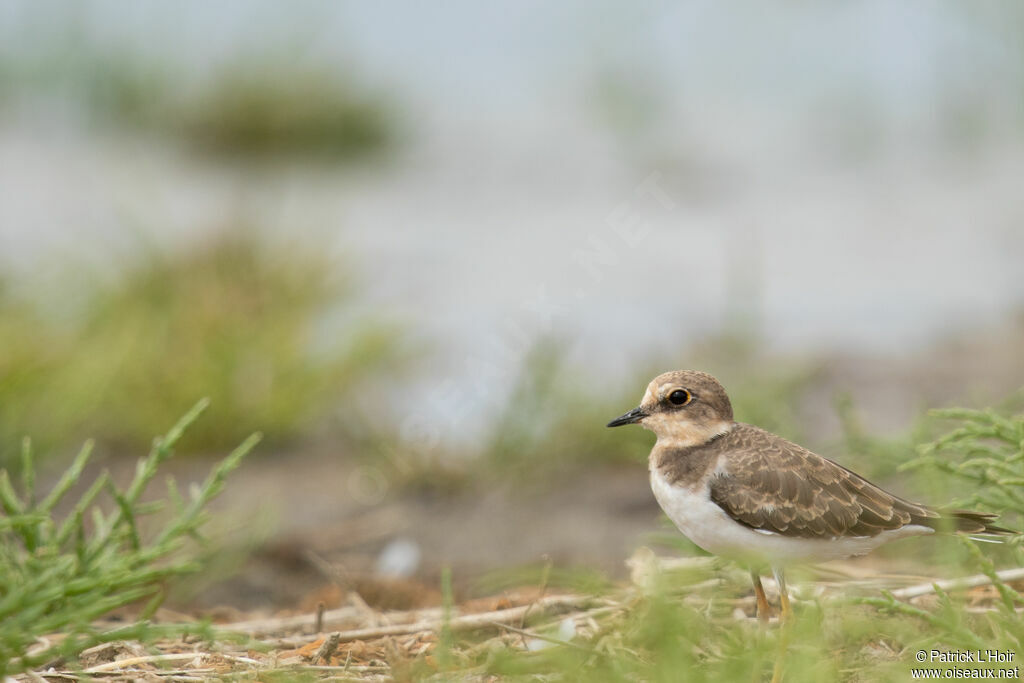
[(684, 407)]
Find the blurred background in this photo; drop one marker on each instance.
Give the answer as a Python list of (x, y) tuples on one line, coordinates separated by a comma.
[(430, 250)]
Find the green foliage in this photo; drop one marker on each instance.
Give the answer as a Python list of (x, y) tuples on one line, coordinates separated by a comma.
[(27, 359), (986, 454), (235, 319), (953, 626), (977, 465), (58, 575), (874, 457), (553, 420), (446, 640), (678, 628), (253, 106), (682, 627), (253, 111)]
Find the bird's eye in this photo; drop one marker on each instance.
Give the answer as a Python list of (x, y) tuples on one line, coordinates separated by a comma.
[(679, 397)]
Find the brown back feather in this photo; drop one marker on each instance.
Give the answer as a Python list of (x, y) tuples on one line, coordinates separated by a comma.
[(773, 484)]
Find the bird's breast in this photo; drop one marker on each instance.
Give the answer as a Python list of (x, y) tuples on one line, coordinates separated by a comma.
[(691, 509)]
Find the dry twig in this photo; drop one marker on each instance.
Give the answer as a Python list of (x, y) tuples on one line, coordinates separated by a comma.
[(909, 592), (465, 622)]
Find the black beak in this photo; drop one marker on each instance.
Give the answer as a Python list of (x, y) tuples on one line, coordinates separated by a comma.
[(632, 417)]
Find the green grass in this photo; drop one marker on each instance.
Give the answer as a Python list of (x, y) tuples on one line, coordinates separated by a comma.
[(64, 565), (269, 110), (681, 629), (253, 106), (985, 454), (552, 420), (237, 318)]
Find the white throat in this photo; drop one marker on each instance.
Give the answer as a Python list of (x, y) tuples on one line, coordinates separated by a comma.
[(676, 432)]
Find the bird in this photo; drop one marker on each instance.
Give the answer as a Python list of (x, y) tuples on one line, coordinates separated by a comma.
[(744, 493)]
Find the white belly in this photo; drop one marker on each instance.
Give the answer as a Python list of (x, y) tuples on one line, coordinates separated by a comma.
[(707, 525)]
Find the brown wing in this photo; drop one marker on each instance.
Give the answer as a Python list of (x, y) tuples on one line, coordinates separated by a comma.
[(772, 484)]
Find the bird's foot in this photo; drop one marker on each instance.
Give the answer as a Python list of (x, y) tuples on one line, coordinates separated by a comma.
[(765, 611), (764, 608)]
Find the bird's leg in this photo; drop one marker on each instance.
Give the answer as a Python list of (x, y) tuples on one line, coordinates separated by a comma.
[(780, 579), (764, 610), (786, 623)]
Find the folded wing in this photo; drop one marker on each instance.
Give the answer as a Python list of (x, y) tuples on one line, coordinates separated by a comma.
[(783, 488)]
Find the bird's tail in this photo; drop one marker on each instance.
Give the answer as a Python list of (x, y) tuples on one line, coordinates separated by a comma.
[(969, 522)]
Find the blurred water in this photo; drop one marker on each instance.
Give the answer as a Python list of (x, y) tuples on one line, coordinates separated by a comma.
[(843, 176)]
